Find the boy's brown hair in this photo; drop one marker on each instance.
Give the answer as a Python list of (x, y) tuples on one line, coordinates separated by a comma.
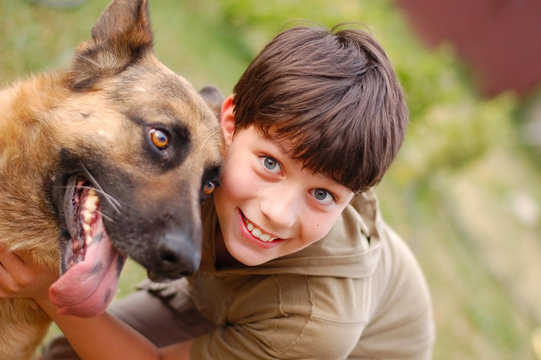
[(332, 97)]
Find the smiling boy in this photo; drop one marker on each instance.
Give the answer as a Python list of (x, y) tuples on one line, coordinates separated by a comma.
[(269, 205), (297, 262)]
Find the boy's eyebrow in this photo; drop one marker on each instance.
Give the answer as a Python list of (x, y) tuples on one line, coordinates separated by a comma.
[(282, 145)]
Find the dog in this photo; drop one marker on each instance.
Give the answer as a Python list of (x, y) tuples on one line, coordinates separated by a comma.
[(108, 159)]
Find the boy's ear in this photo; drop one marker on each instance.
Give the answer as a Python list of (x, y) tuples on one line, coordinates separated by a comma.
[(227, 119)]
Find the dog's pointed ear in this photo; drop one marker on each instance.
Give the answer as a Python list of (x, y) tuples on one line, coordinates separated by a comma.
[(214, 99), (121, 37)]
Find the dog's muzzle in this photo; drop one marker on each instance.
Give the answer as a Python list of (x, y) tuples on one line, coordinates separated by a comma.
[(177, 255)]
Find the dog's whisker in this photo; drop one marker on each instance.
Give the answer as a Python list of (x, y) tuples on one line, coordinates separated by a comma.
[(106, 217), (114, 203)]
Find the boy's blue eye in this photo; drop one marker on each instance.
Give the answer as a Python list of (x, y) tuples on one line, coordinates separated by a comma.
[(323, 196), (270, 163)]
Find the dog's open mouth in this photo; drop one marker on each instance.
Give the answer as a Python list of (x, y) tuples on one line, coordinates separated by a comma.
[(91, 264)]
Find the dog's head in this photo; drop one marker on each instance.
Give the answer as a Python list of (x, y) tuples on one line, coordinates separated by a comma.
[(139, 151)]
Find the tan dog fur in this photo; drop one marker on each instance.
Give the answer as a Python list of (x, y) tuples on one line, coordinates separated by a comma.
[(95, 115)]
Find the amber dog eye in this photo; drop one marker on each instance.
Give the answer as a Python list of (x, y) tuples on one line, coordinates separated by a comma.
[(159, 138), (209, 187)]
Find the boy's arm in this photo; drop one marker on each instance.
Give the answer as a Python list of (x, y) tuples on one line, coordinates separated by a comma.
[(102, 337), (105, 337), (286, 317)]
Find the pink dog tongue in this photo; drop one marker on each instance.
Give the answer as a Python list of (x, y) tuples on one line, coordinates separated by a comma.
[(87, 288)]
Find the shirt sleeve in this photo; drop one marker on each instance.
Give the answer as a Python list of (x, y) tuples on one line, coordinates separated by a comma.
[(289, 317), (401, 323)]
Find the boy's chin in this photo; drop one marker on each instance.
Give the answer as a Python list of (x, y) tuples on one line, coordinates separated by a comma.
[(249, 258)]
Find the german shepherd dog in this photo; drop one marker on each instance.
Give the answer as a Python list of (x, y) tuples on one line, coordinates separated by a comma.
[(108, 159)]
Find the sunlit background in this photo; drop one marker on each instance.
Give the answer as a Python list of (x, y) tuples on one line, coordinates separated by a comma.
[(465, 191)]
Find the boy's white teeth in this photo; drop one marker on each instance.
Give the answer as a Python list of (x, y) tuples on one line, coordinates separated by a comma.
[(258, 233)]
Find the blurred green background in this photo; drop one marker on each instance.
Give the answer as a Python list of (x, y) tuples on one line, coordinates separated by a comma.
[(464, 191)]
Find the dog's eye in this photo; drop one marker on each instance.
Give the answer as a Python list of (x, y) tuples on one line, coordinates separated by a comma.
[(159, 138), (209, 187)]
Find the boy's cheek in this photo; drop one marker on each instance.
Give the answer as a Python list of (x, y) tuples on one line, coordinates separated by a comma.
[(326, 223)]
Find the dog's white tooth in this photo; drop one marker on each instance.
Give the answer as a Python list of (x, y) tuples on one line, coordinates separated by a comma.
[(92, 192), (88, 216), (91, 203), (86, 228), (88, 240)]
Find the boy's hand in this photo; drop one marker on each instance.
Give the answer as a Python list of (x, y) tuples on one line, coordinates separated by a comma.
[(20, 280)]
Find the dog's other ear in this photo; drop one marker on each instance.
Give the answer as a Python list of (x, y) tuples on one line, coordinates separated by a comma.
[(214, 99), (121, 37)]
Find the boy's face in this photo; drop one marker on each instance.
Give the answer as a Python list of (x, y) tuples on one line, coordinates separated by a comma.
[(267, 204)]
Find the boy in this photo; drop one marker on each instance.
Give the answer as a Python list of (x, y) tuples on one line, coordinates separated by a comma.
[(297, 263)]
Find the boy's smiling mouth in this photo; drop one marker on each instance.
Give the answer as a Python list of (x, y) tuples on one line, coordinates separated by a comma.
[(257, 232)]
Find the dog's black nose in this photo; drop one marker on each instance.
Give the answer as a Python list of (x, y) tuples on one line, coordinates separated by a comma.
[(178, 254)]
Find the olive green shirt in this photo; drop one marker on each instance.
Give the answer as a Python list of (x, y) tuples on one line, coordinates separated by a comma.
[(356, 294)]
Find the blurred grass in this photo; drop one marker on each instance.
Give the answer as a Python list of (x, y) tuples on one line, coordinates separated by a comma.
[(463, 192)]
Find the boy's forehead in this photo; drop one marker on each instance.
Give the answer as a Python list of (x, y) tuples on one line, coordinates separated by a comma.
[(283, 143)]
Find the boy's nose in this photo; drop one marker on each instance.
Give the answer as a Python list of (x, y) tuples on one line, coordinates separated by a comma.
[(281, 206)]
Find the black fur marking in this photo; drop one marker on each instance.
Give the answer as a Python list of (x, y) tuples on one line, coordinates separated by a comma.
[(211, 172)]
